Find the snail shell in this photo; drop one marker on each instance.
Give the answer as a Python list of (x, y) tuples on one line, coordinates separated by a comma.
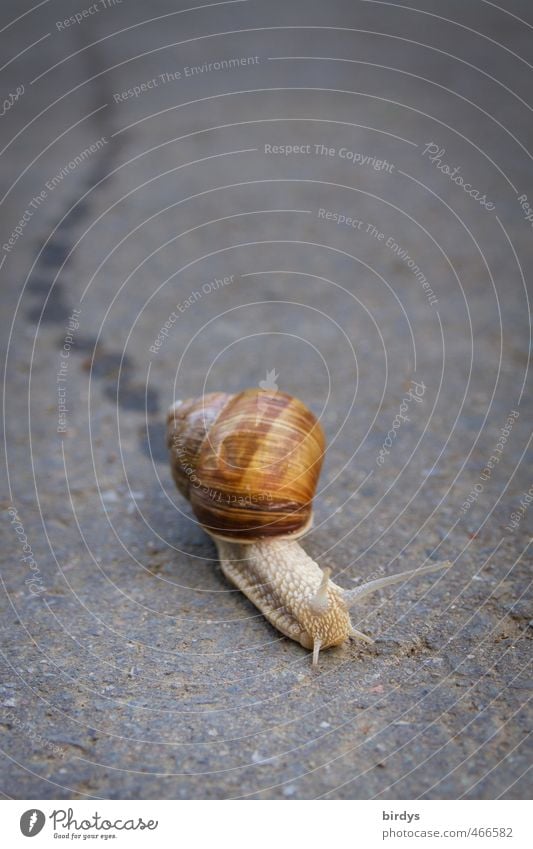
[(248, 463)]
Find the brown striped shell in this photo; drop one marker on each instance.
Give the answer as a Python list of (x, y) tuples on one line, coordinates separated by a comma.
[(248, 463)]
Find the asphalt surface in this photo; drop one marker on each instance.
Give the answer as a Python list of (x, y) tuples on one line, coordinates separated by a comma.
[(203, 162)]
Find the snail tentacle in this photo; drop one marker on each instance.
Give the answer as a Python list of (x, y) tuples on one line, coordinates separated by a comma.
[(355, 595), (360, 636)]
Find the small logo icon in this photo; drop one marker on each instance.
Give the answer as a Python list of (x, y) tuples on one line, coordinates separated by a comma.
[(32, 822), (270, 387), (269, 383)]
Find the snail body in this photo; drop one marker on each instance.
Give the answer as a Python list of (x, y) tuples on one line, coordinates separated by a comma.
[(249, 464)]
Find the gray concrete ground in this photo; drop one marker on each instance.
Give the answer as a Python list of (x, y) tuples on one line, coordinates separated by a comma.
[(129, 667)]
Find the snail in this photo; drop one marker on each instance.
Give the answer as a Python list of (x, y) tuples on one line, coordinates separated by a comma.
[(249, 464)]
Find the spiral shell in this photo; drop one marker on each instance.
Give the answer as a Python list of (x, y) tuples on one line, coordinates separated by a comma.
[(248, 463)]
